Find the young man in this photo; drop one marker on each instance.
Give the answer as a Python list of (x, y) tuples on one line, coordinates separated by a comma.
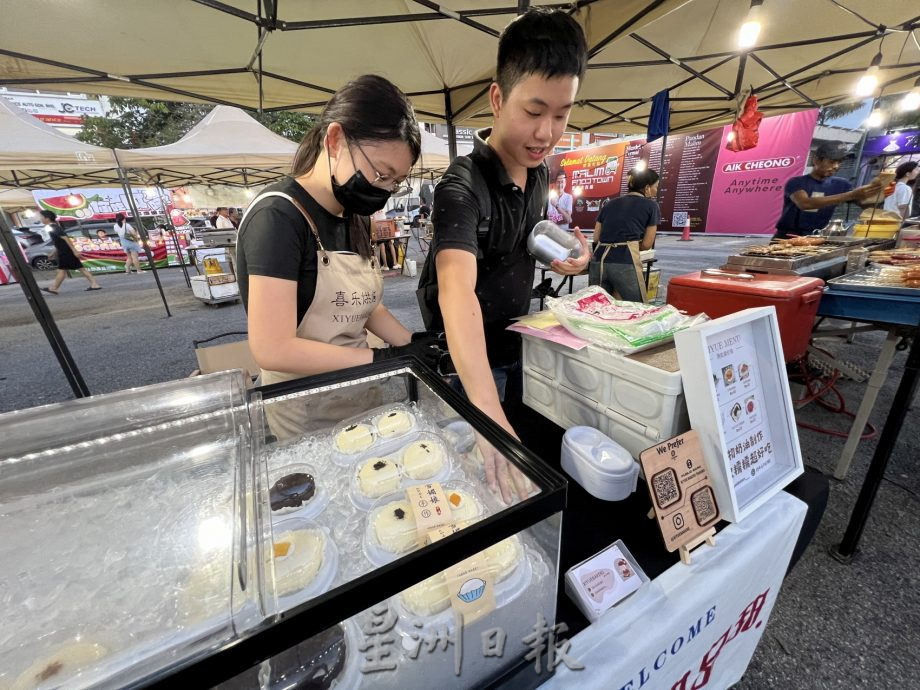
[(809, 200), (478, 274), (559, 206), (223, 219)]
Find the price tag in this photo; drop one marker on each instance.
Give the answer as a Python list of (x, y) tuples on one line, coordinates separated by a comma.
[(430, 508)]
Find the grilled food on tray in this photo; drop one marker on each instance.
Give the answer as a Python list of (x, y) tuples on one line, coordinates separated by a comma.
[(905, 256)]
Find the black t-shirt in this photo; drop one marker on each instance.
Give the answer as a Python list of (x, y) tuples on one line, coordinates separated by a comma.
[(505, 270), (275, 241), (625, 218)]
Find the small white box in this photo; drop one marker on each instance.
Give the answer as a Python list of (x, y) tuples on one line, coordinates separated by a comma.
[(738, 395), (600, 582), (203, 289)]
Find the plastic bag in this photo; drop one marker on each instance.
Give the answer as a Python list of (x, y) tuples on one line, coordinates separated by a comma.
[(592, 314)]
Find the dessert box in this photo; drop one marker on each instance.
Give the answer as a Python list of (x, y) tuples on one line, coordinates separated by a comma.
[(187, 544)]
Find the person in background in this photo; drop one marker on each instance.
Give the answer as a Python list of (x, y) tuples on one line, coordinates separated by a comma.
[(223, 222), (915, 204), (809, 200), (393, 264), (307, 274), (559, 205), (900, 202), (626, 226), (130, 242), (478, 274), (68, 257), (235, 217)]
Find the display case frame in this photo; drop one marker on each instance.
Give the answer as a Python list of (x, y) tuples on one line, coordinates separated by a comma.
[(290, 627)]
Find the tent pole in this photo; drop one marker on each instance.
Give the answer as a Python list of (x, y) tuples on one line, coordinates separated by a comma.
[(23, 273), (175, 237), (451, 130), (123, 176)]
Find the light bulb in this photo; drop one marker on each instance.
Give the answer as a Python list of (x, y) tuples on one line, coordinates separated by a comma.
[(187, 198), (911, 100), (249, 193), (29, 213), (553, 194), (731, 136), (875, 118), (867, 83), (640, 165), (750, 30), (73, 199), (577, 191)]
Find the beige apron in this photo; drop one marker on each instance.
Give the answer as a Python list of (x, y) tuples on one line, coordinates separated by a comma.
[(634, 254), (348, 289)]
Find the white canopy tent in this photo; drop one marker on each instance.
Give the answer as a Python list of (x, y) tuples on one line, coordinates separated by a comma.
[(36, 155), (293, 55), (227, 147)]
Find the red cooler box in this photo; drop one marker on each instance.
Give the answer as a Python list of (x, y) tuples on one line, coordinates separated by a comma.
[(796, 300)]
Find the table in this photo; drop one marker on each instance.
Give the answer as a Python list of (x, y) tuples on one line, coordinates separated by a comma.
[(401, 239), (891, 313), (590, 525)]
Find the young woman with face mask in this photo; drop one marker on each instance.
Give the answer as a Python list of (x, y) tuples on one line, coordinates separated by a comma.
[(309, 280)]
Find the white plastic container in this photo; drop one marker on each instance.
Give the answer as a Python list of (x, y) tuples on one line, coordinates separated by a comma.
[(604, 468), (635, 404), (547, 241)]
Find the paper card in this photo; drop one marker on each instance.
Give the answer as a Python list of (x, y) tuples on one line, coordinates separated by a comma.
[(682, 496), (603, 580), (541, 319), (555, 334), (429, 507), (471, 582)]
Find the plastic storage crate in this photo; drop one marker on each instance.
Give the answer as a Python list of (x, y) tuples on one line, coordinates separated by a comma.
[(633, 403)]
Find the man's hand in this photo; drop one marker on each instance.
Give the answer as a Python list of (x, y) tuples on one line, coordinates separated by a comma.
[(574, 267), (502, 476)]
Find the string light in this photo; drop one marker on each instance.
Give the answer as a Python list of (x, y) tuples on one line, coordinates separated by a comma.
[(869, 81), (750, 30), (911, 100), (875, 119)]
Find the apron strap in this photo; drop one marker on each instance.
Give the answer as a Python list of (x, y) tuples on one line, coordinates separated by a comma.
[(300, 208)]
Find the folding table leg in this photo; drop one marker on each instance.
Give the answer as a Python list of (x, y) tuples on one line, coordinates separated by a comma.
[(876, 381)]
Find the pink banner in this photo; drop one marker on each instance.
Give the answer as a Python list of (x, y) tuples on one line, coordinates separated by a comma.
[(747, 189)]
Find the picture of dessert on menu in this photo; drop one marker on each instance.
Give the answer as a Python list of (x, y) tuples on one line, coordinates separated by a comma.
[(738, 390)]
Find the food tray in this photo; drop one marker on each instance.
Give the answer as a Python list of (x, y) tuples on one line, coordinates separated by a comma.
[(863, 281), (791, 263)]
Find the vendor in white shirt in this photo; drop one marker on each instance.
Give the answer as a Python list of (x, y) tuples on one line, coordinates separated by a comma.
[(559, 206), (900, 201), (223, 219)]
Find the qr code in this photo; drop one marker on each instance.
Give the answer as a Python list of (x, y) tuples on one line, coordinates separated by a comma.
[(704, 506), (666, 488), (680, 219)]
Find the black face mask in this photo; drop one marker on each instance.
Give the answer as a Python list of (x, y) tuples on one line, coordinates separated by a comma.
[(358, 196)]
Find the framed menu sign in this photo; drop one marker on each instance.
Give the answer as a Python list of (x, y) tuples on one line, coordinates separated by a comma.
[(737, 394)]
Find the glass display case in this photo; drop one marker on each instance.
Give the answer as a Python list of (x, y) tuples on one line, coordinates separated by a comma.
[(334, 531)]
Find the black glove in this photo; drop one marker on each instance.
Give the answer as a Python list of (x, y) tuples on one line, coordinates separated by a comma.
[(427, 347)]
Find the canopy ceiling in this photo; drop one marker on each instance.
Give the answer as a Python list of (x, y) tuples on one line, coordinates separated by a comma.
[(292, 55)]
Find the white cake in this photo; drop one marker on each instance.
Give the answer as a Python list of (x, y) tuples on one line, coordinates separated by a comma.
[(463, 506), (504, 556), (428, 597), (393, 423), (422, 459), (58, 669), (298, 556), (354, 438), (377, 477), (394, 525)]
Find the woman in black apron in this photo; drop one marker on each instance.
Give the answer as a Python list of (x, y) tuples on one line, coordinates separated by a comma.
[(308, 277), (625, 226)]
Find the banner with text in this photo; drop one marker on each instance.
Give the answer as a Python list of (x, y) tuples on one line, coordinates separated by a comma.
[(100, 204), (703, 183)]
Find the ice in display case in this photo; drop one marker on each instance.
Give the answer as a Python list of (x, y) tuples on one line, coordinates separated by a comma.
[(287, 536)]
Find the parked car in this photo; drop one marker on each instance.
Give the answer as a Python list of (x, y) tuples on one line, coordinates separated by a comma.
[(40, 255), (26, 237), (405, 209)]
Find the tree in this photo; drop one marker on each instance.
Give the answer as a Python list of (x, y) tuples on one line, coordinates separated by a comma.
[(141, 122)]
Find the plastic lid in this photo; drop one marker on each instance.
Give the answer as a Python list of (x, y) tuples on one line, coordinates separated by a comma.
[(605, 455), (763, 285)]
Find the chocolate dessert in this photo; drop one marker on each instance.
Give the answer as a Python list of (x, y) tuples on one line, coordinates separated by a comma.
[(292, 491)]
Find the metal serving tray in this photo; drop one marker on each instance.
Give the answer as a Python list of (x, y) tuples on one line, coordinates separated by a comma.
[(788, 263), (863, 281)]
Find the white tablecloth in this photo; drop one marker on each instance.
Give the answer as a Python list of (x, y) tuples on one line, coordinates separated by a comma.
[(694, 626)]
